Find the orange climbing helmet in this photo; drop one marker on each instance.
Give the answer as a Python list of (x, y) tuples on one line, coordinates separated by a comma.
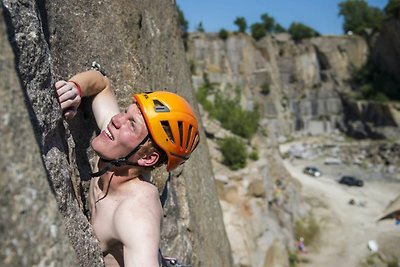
[(171, 123)]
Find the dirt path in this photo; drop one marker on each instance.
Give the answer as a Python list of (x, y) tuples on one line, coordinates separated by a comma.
[(345, 229)]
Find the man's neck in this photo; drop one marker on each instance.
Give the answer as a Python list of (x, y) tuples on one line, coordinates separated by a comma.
[(121, 175)]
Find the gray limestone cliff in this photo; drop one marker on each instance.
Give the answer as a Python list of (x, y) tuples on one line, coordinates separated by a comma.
[(309, 84), (309, 93), (45, 161)]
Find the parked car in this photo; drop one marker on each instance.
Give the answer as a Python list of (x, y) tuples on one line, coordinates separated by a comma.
[(312, 171), (332, 161), (351, 181)]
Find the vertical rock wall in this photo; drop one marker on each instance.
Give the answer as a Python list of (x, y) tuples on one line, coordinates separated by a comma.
[(310, 90), (31, 228), (138, 44)]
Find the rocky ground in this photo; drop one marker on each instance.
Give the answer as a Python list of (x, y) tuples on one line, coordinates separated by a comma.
[(345, 229)]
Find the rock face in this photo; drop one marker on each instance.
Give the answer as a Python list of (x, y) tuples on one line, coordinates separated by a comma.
[(32, 230), (142, 51), (308, 81), (308, 94)]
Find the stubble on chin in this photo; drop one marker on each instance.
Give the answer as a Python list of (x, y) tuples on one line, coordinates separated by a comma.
[(95, 144)]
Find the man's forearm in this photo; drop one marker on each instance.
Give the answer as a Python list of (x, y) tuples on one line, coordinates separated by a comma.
[(90, 82)]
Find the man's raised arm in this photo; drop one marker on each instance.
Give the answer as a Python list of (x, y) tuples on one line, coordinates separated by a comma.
[(85, 84)]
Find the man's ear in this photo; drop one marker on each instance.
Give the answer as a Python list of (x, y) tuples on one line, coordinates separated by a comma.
[(149, 160)]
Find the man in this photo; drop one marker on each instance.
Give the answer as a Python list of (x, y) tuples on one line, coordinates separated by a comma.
[(157, 128)]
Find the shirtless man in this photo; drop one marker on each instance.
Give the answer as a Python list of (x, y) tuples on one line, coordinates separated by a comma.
[(156, 128)]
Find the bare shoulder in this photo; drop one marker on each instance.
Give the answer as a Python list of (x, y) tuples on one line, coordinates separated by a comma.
[(137, 221), (142, 193), (143, 203)]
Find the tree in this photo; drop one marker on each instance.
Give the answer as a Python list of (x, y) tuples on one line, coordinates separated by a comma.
[(279, 28), (258, 31), (268, 22), (200, 27), (241, 23), (183, 23), (300, 31), (392, 9), (223, 34), (359, 17), (184, 26)]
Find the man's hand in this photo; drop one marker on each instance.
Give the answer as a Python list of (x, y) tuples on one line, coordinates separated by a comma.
[(68, 97)]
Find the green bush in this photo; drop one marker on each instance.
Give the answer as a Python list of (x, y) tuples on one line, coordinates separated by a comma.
[(394, 262), (241, 23), (254, 155), (265, 89), (232, 117), (223, 34), (228, 112), (258, 31), (201, 95), (373, 84), (300, 31), (293, 259), (203, 91), (234, 151)]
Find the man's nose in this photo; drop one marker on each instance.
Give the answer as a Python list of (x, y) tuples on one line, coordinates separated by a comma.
[(118, 120)]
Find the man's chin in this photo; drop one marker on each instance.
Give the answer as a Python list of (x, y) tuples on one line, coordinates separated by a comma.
[(98, 147)]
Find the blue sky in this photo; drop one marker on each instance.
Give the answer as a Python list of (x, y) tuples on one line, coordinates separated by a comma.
[(322, 15)]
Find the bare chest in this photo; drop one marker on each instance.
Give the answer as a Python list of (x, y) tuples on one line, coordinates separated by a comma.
[(103, 205)]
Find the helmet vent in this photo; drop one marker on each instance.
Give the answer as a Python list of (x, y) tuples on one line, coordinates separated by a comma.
[(180, 127), (189, 135), (160, 107), (167, 130), (195, 142)]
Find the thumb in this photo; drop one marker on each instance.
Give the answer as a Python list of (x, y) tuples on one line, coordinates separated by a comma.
[(70, 113)]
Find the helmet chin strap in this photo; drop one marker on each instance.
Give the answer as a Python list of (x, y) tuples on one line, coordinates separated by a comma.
[(121, 161)]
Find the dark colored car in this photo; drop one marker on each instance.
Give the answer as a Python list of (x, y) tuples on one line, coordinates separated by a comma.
[(351, 181), (312, 171)]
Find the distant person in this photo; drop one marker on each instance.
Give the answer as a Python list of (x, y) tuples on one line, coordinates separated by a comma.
[(301, 246), (157, 128), (397, 218)]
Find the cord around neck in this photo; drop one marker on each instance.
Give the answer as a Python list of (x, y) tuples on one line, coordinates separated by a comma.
[(121, 161)]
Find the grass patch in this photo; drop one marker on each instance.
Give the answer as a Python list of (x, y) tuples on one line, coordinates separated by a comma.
[(253, 155), (376, 259), (308, 228)]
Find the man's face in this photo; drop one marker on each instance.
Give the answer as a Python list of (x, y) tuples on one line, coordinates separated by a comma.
[(124, 132)]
